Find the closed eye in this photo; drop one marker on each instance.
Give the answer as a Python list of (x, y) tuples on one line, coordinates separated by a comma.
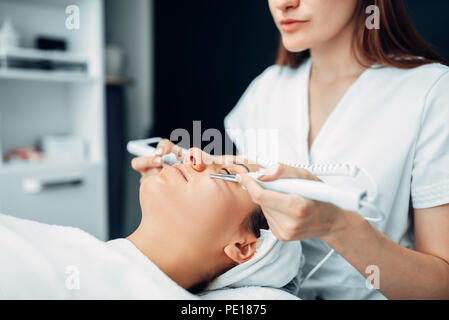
[(227, 171)]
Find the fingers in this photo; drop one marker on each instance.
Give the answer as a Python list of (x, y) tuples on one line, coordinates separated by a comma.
[(166, 146), (163, 147), (283, 227), (275, 228), (258, 194), (278, 171), (143, 164), (177, 151), (289, 204)]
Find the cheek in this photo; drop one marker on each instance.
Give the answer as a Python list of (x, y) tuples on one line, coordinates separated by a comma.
[(153, 193), (332, 16), (206, 199), (160, 196), (271, 5), (201, 212), (213, 209)]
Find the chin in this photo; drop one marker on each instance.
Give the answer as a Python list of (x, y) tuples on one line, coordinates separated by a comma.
[(293, 44)]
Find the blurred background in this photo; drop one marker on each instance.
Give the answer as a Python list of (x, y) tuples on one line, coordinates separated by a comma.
[(80, 78)]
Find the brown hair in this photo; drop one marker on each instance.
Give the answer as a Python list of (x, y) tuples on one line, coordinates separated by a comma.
[(396, 44), (256, 221)]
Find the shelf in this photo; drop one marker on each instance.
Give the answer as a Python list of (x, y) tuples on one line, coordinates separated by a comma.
[(36, 54), (50, 76), (53, 3), (45, 166), (46, 92), (42, 75)]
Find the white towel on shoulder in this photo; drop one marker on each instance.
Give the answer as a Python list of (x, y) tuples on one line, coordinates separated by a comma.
[(39, 261)]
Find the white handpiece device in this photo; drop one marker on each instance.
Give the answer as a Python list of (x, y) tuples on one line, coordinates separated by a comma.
[(345, 197), (144, 148)]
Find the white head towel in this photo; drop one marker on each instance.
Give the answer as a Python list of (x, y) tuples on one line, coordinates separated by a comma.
[(274, 265)]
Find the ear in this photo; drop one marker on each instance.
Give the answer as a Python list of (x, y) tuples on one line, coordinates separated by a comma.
[(243, 250)]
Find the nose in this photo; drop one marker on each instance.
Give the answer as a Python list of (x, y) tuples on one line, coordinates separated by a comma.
[(285, 5), (197, 159)]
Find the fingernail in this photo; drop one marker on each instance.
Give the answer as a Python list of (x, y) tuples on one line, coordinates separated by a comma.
[(261, 173), (177, 151), (159, 151), (157, 160)]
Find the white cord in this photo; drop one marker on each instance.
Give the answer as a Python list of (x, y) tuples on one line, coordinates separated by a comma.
[(364, 203), (375, 192), (372, 207), (315, 269)]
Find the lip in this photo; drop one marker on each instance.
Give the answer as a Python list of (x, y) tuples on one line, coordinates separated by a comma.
[(290, 25), (181, 170)]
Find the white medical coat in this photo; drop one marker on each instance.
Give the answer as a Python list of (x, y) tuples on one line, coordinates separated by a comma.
[(393, 123)]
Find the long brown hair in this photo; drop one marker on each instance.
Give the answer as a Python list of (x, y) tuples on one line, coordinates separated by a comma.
[(395, 44)]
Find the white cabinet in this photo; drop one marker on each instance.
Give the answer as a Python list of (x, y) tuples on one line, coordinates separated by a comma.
[(71, 195), (34, 103)]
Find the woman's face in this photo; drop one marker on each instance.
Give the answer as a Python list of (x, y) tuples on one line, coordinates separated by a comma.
[(186, 203), (305, 24)]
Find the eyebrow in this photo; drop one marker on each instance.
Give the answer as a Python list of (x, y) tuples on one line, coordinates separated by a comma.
[(241, 164)]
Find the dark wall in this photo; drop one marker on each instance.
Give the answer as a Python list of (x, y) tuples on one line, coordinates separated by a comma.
[(431, 19), (208, 51)]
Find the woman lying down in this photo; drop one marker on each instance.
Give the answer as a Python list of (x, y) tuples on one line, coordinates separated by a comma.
[(198, 238)]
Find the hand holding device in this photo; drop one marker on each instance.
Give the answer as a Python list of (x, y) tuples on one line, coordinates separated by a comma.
[(152, 154), (292, 218)]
